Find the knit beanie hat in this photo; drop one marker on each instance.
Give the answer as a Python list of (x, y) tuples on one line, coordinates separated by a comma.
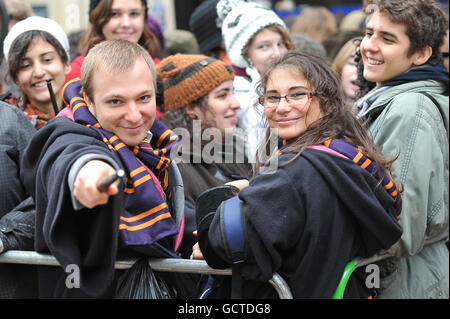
[(240, 21), (94, 3), (188, 77), (39, 24), (204, 26)]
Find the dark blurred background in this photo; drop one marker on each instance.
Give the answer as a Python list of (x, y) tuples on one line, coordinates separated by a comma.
[(184, 8)]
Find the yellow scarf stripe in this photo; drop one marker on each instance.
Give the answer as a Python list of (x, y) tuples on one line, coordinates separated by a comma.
[(162, 137), (113, 139), (388, 186), (142, 180), (358, 157), (137, 171), (119, 146), (77, 98), (145, 225), (76, 107), (172, 139), (144, 214), (166, 180), (163, 150), (366, 163), (394, 193), (160, 152), (66, 85), (162, 161)]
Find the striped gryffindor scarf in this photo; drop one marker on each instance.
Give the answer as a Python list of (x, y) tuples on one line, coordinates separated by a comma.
[(145, 218), (357, 155)]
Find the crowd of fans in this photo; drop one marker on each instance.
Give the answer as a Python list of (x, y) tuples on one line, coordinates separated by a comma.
[(325, 138)]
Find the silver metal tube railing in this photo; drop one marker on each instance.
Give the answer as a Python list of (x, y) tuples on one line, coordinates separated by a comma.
[(157, 264)]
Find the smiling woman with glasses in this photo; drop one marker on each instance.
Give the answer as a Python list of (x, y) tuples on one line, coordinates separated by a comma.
[(304, 104), (329, 199)]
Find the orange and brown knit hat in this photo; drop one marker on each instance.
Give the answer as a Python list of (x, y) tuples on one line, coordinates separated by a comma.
[(186, 78)]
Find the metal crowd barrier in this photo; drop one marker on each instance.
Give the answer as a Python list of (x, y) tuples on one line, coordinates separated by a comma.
[(157, 264), (198, 266)]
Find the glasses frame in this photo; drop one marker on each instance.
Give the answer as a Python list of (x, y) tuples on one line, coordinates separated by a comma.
[(309, 95)]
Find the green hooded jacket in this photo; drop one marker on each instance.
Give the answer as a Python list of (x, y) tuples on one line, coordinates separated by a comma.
[(405, 122)]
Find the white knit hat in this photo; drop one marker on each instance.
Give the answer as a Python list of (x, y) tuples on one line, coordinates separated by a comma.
[(39, 24), (240, 21)]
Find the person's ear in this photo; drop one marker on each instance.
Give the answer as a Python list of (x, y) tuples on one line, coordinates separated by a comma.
[(89, 103), (67, 68), (422, 55), (192, 112)]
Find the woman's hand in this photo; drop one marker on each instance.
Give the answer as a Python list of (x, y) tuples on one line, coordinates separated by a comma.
[(196, 252), (240, 183), (85, 186)]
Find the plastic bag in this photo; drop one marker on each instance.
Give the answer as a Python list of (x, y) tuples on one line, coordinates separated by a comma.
[(140, 282)]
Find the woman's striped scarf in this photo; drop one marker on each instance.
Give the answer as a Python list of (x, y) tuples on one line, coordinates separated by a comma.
[(145, 218), (357, 155)]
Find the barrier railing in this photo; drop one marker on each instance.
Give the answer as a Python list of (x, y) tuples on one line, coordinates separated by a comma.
[(197, 266), (157, 264)]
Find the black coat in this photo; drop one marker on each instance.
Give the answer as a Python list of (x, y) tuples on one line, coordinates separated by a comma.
[(198, 177), (86, 238), (306, 221)]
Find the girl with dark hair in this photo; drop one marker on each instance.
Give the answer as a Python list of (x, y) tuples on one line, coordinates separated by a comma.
[(198, 98), (37, 51), (327, 199)]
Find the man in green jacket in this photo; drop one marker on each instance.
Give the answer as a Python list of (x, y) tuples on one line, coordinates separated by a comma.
[(407, 114)]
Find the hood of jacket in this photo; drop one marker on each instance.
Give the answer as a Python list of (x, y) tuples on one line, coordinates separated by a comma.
[(374, 209)]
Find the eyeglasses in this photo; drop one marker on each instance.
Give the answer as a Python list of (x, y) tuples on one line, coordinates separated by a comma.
[(444, 54), (296, 98)]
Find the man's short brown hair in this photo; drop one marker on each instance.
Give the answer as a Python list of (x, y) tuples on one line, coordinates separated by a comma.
[(114, 57)]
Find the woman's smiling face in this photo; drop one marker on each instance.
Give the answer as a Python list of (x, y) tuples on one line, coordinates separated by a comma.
[(220, 112), (41, 62), (290, 119), (127, 21), (264, 47)]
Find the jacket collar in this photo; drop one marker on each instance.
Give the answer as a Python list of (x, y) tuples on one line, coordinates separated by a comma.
[(380, 96), (404, 82)]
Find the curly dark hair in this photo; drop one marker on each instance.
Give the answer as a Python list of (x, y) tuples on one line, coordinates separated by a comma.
[(365, 86)]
